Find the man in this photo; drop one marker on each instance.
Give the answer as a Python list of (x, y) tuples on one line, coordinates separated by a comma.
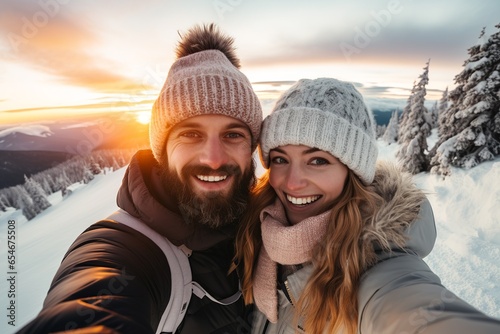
[(191, 187)]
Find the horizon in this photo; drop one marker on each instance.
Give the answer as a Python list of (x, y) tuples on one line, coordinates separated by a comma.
[(60, 59)]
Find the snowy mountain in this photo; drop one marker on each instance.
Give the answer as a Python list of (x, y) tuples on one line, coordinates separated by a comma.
[(31, 130), (466, 208), (78, 135), (31, 148)]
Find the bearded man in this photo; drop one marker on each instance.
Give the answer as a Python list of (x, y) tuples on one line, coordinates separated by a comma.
[(191, 188)]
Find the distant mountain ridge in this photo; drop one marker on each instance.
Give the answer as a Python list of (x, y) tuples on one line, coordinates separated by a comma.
[(15, 164), (29, 149), (76, 136)]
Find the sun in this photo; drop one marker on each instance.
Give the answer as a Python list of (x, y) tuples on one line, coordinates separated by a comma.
[(143, 117)]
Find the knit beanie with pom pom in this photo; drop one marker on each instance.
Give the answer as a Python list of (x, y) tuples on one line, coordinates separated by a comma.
[(204, 80)]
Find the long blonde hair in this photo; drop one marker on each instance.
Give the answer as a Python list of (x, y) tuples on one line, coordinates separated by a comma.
[(330, 298)]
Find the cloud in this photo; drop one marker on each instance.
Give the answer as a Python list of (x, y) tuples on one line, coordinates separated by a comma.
[(405, 45), (53, 41), (275, 83), (118, 104), (442, 32)]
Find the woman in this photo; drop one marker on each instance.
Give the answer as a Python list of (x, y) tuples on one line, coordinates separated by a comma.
[(333, 242)]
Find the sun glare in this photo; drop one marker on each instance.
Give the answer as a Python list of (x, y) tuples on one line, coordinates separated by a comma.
[(143, 117)]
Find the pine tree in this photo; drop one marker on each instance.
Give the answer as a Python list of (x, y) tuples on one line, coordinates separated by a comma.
[(43, 180), (473, 117), (63, 182), (87, 174), (433, 115), (413, 139), (94, 167), (391, 132), (115, 166), (24, 202), (403, 120), (443, 114), (3, 203), (444, 133), (37, 194)]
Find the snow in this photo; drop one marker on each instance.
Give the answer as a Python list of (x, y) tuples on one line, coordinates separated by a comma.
[(472, 66), (466, 207), (31, 130)]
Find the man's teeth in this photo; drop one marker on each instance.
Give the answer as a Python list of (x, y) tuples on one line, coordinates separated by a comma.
[(211, 178), (302, 200)]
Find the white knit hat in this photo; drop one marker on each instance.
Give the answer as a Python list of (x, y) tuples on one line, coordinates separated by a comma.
[(205, 82), (327, 114)]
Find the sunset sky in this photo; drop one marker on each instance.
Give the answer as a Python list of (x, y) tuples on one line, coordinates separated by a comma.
[(59, 58)]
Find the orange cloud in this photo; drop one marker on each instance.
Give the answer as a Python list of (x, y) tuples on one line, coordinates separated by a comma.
[(53, 42)]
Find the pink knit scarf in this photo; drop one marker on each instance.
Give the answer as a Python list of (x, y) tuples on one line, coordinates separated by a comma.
[(286, 245)]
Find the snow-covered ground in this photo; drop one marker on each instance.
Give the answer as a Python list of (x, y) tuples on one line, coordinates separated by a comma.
[(466, 206)]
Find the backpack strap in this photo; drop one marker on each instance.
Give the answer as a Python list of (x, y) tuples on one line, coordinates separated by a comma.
[(180, 270), (182, 284), (200, 292)]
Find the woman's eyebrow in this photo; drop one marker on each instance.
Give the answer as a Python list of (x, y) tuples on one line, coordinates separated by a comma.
[(311, 150), (308, 151)]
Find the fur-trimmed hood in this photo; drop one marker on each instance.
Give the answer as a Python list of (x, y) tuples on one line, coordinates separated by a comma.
[(405, 219)]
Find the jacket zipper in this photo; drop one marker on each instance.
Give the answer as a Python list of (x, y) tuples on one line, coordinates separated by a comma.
[(288, 293)]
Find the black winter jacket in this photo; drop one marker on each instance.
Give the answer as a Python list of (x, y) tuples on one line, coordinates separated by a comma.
[(115, 280)]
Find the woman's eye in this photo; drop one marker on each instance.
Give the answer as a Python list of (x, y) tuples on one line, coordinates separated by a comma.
[(319, 161), (234, 135), (278, 160)]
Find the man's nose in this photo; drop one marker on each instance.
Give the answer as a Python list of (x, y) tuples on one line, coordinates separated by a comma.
[(213, 153)]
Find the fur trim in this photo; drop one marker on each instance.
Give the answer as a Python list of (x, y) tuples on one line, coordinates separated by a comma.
[(401, 201), (207, 37)]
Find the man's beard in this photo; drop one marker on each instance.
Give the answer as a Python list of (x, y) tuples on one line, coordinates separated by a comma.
[(212, 209)]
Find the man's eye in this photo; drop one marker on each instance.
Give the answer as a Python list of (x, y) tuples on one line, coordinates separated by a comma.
[(189, 134)]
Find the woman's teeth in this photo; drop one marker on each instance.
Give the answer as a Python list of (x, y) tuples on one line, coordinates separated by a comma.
[(302, 200)]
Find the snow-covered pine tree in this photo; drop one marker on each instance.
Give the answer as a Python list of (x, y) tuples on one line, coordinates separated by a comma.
[(37, 194), (443, 113), (63, 182), (444, 130), (391, 132), (94, 166), (403, 120), (3, 203), (87, 174), (24, 202), (413, 139), (115, 166), (473, 117), (43, 180), (433, 115), (380, 130)]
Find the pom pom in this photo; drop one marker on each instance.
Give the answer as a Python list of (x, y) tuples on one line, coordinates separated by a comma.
[(206, 37)]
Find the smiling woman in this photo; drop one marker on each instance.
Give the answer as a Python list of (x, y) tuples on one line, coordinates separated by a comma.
[(143, 117)]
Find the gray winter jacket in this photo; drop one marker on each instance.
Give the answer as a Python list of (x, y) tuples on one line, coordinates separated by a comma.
[(399, 293)]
